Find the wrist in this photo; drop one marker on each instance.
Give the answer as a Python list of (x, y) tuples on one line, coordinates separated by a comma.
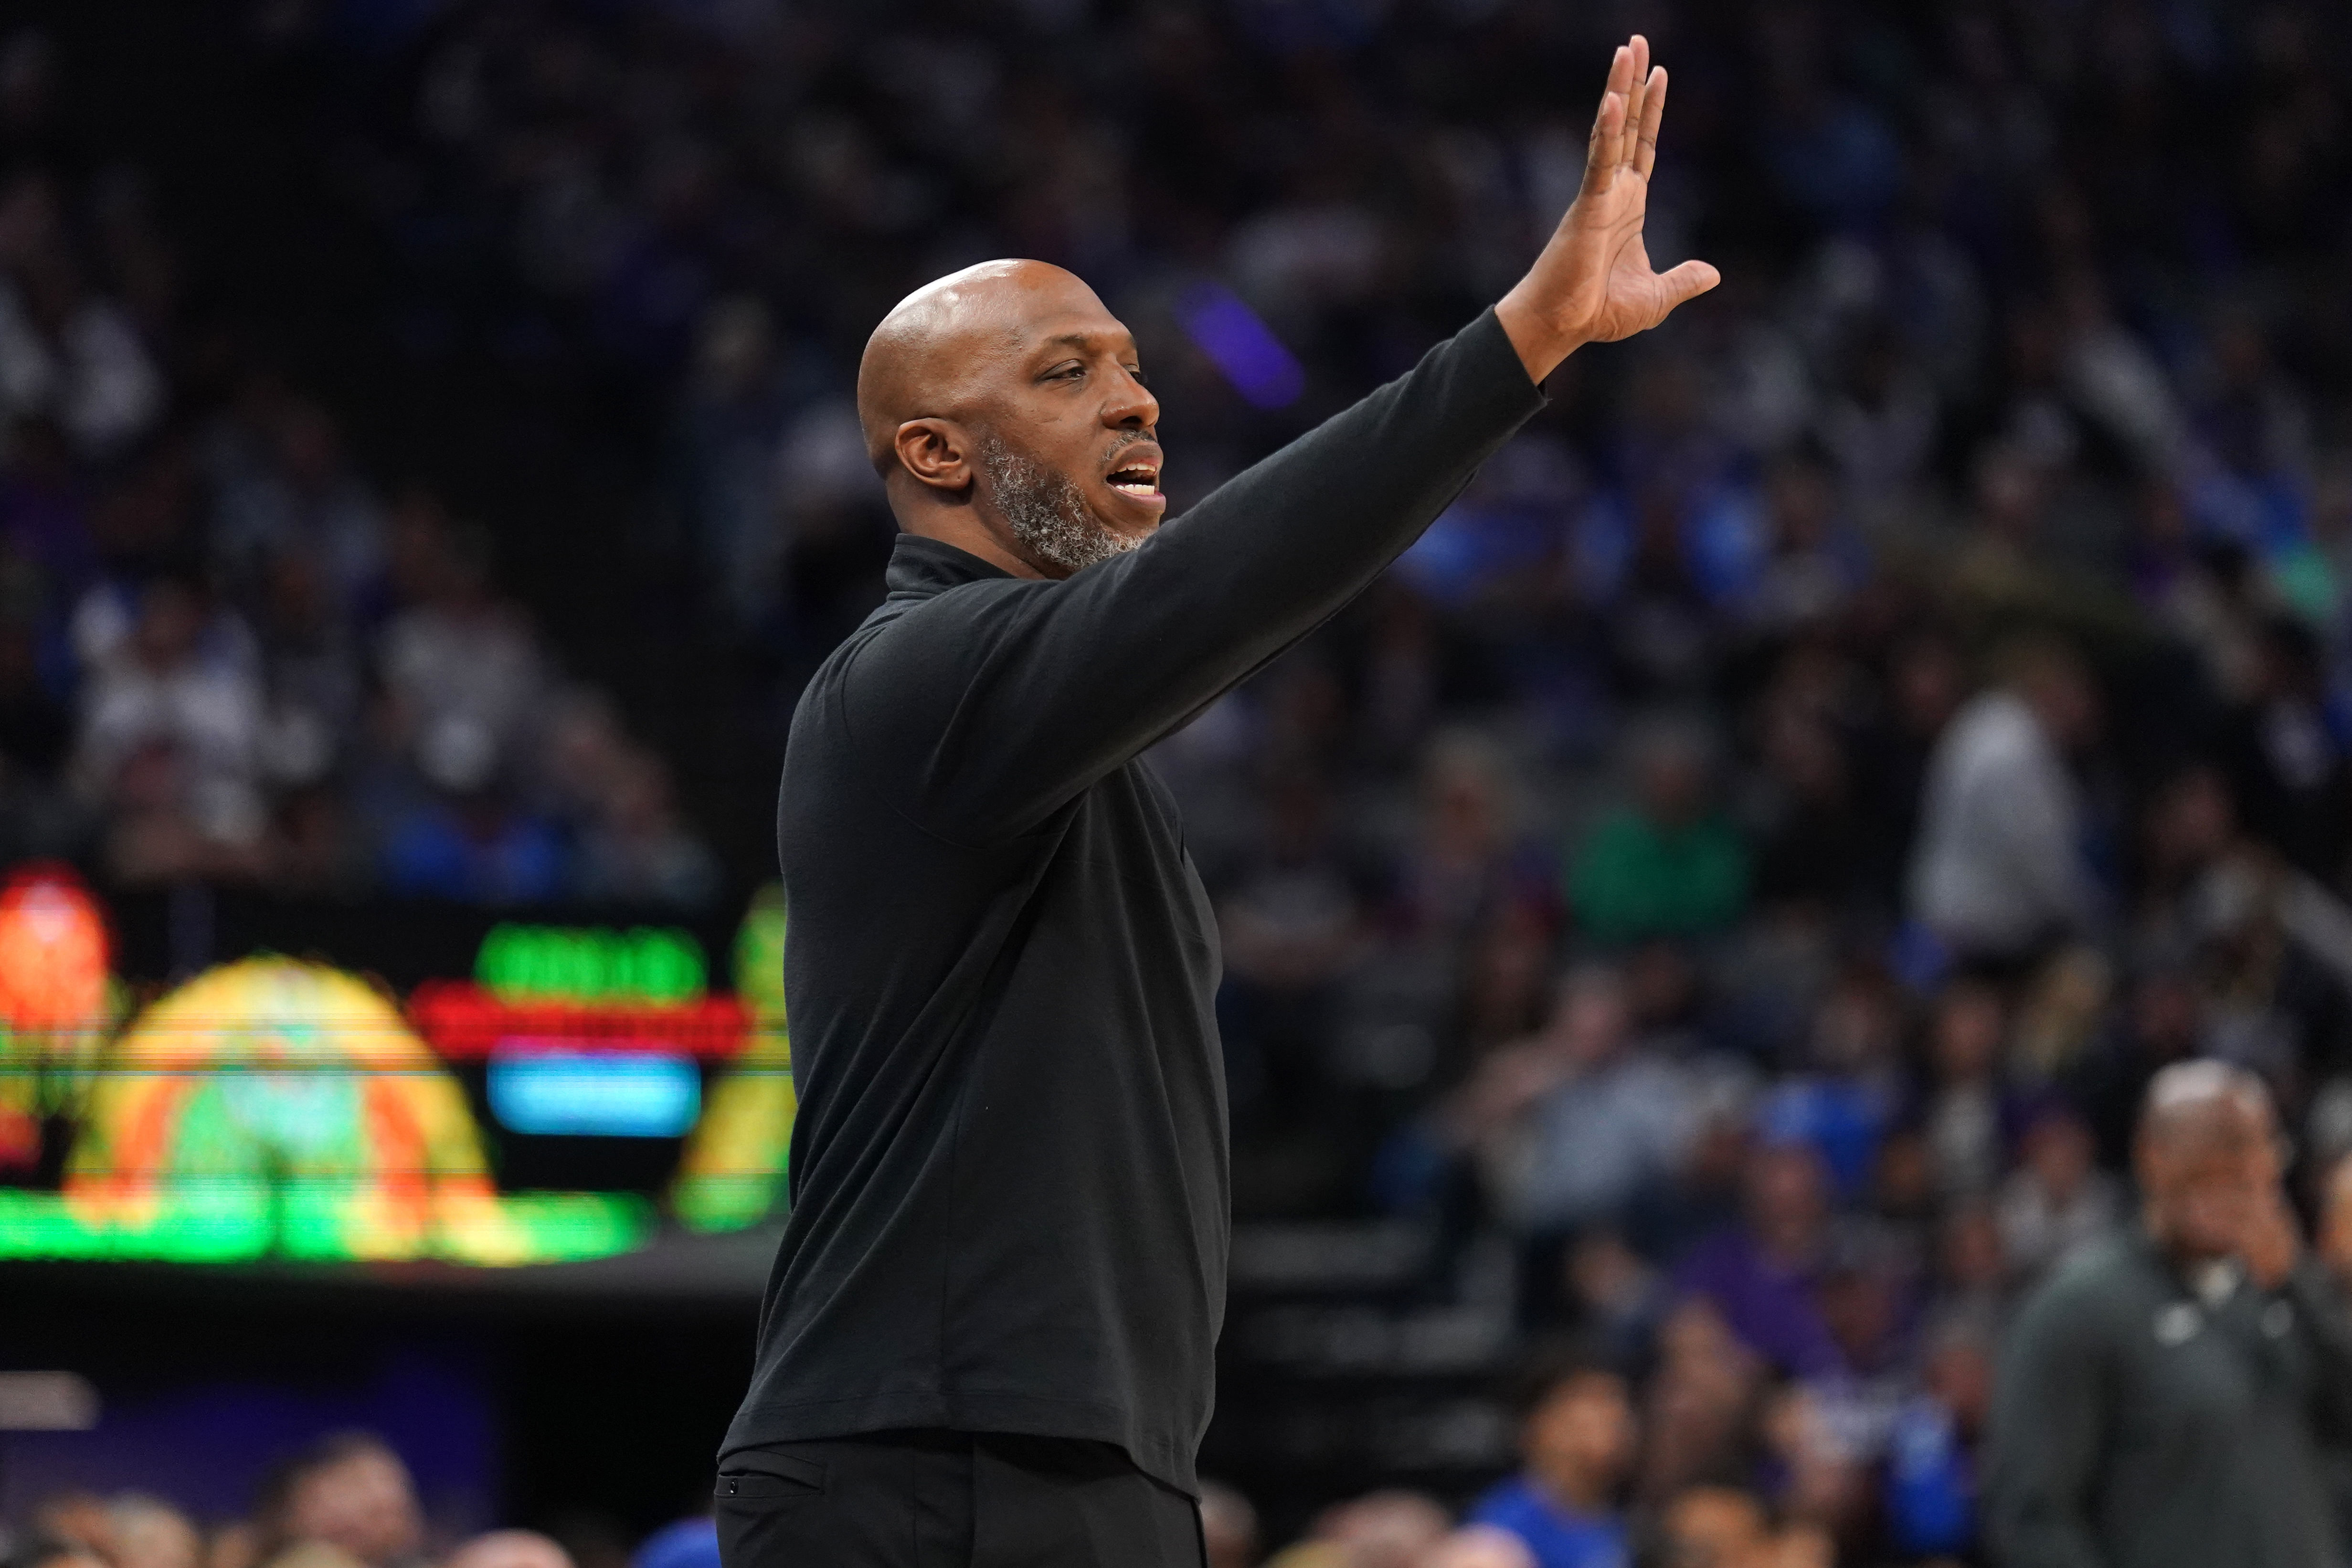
[(1541, 342)]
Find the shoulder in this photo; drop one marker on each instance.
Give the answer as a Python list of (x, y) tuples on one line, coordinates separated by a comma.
[(942, 633), (2084, 1294)]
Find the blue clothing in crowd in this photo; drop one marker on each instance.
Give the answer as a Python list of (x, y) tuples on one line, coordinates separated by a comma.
[(1558, 1535)]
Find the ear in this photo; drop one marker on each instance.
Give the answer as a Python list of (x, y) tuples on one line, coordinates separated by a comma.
[(937, 453)]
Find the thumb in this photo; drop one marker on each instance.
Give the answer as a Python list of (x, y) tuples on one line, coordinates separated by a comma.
[(1688, 281)]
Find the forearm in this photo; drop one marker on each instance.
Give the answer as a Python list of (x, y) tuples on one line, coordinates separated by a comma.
[(1276, 549), (1064, 681)]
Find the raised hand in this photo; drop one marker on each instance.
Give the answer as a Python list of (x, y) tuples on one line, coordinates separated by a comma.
[(1593, 282)]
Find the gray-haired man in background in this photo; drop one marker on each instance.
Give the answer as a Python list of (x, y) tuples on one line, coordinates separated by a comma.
[(2164, 1402)]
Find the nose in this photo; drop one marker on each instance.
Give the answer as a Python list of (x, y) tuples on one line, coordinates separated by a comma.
[(1131, 405)]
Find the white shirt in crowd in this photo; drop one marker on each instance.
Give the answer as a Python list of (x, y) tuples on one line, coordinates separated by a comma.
[(2000, 860)]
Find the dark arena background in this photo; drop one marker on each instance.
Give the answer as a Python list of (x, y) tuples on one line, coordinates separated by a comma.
[(1711, 908)]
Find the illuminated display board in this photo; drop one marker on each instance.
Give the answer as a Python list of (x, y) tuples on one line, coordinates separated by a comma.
[(276, 1108), (55, 1003)]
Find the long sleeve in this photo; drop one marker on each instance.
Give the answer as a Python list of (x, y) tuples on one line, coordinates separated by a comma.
[(1026, 692), (2049, 1413)]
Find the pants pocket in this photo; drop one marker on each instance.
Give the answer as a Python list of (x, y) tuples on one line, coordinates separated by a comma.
[(769, 1479)]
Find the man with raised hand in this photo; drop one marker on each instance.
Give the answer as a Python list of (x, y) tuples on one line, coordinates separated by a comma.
[(989, 1336)]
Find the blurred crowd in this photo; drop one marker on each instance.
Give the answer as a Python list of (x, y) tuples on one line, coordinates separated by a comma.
[(227, 652), (1753, 853), (1756, 850), (347, 1500)]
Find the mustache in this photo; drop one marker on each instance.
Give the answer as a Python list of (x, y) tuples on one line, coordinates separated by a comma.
[(1128, 439)]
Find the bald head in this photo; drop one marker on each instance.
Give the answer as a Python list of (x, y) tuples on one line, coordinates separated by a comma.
[(2201, 1102), (929, 354), (2208, 1159), (1004, 409)]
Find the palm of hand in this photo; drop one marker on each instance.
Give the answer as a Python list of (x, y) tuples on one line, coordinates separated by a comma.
[(1618, 292), (1593, 283)]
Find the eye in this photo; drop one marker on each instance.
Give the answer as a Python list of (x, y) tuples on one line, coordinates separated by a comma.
[(1140, 379), (1074, 370)]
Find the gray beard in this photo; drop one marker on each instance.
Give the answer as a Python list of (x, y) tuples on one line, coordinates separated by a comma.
[(1047, 511)]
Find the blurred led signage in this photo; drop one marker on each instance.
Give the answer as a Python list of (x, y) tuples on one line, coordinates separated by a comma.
[(734, 1170), (276, 1108), (521, 962), (53, 952), (537, 1089), (272, 1107), (55, 1003)]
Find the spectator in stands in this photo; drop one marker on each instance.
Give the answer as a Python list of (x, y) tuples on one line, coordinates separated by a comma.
[(1570, 1124), (1379, 1529), (1698, 1412), (147, 1532), (2058, 1201), (462, 669), (349, 1491), (1760, 1273), (1849, 1089), (171, 733), (1465, 859), (1668, 864), (1712, 1526), (1964, 1114), (1576, 1445), (2284, 755), (1971, 1272), (283, 484), (1929, 1495), (508, 1549), (1999, 868), (1480, 1546), (1815, 565), (637, 851), (470, 844), (64, 352), (310, 672)]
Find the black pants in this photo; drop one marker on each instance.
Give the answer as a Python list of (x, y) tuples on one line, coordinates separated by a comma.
[(950, 1499)]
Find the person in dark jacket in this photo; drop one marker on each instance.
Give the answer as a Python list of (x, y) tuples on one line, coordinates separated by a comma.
[(989, 1335), (2167, 1400)]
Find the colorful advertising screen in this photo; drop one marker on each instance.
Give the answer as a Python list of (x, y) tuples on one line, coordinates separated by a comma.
[(582, 1091)]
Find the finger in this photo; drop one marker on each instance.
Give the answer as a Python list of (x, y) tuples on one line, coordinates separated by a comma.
[(1688, 281), (1600, 156), (1645, 129), (1638, 49), (1624, 81)]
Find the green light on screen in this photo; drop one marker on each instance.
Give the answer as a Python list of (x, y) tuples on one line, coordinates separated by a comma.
[(645, 963)]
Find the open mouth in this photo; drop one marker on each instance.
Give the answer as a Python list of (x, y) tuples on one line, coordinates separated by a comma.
[(1140, 481)]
